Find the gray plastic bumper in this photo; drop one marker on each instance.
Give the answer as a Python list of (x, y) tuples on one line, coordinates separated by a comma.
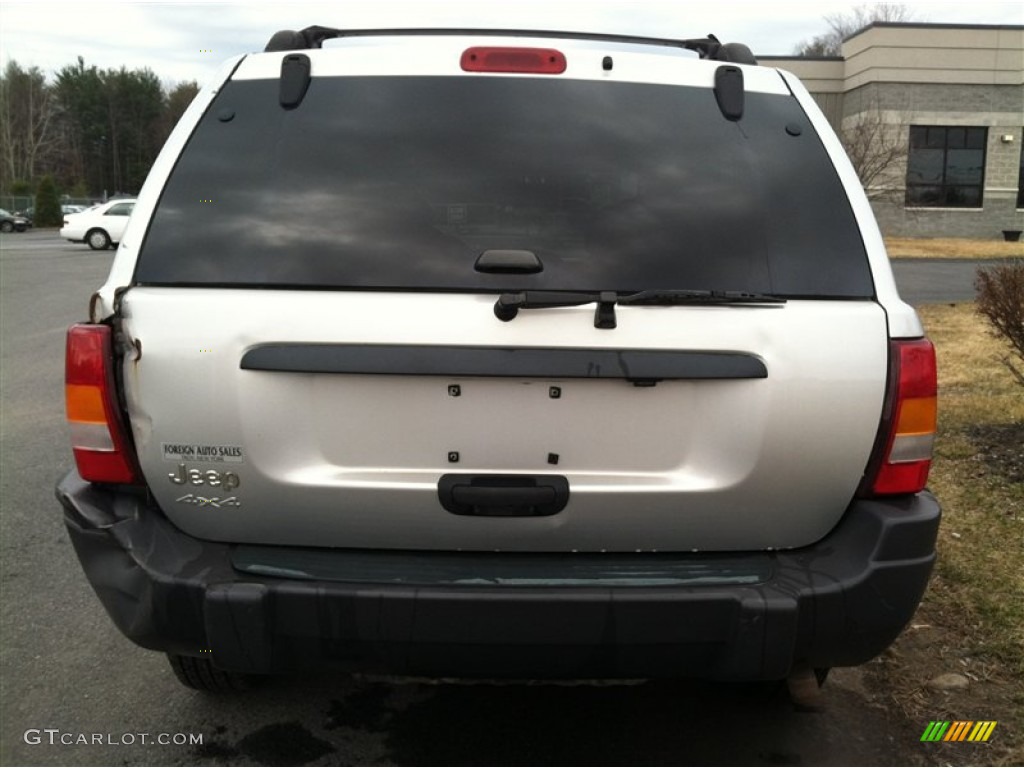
[(750, 616)]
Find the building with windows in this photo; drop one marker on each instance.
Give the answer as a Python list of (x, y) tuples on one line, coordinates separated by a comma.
[(932, 116)]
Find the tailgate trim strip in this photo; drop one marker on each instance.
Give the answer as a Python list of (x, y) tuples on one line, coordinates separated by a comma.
[(514, 362), (502, 569)]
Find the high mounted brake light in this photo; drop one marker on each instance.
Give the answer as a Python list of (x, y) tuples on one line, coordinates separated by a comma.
[(98, 434), (908, 428), (537, 61)]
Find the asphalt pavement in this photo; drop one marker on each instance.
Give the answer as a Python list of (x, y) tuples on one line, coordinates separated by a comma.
[(937, 281), (73, 691)]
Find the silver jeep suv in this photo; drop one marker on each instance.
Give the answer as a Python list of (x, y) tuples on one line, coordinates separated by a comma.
[(521, 354)]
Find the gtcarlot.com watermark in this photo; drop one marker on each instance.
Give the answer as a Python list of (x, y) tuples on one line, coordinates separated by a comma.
[(55, 737)]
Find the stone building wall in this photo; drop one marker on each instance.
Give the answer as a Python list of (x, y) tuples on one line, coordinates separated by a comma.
[(904, 75)]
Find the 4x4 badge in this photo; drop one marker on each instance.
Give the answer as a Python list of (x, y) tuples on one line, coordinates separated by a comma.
[(202, 501), (211, 477)]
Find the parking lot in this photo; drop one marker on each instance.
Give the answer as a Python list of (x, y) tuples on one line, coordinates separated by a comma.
[(76, 692)]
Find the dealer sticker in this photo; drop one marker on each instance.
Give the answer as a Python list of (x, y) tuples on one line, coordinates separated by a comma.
[(231, 454)]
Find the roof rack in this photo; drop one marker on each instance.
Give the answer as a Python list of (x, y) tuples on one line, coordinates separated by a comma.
[(706, 47)]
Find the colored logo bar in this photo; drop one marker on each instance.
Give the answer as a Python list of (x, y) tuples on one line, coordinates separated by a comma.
[(959, 730)]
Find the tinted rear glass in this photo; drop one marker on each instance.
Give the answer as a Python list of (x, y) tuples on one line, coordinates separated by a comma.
[(402, 182)]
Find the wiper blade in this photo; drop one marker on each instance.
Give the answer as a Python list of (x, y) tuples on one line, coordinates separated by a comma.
[(677, 298), (508, 304)]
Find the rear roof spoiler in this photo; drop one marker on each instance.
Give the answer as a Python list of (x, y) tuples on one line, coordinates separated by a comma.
[(706, 47)]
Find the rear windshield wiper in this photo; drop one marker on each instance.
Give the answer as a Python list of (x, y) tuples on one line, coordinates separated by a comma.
[(673, 298), (508, 304)]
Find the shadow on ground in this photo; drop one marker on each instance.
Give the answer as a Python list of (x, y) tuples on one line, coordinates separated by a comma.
[(665, 723)]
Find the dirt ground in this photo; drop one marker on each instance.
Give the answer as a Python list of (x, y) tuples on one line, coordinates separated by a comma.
[(935, 644)]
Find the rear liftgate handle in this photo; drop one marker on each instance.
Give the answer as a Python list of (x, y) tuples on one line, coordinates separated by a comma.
[(503, 495)]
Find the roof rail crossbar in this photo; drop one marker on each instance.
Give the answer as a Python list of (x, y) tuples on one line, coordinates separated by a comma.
[(706, 47)]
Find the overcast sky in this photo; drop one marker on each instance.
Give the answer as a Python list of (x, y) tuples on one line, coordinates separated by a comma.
[(187, 40)]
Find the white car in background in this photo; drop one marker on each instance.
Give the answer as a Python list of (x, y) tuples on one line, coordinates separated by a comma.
[(101, 227)]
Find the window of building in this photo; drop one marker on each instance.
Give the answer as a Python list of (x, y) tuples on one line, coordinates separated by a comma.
[(1020, 179), (946, 166)]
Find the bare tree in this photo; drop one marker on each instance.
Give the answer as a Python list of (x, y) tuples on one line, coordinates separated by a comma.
[(1001, 302), (26, 112), (877, 144), (876, 141), (842, 25)]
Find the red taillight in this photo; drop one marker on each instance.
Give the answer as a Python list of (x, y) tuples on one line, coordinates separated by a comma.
[(539, 61), (909, 427), (98, 434)]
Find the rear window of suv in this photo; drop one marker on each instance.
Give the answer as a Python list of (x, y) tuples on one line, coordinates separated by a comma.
[(402, 182)]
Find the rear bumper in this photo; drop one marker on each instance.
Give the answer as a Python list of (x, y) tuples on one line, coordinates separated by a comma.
[(755, 616)]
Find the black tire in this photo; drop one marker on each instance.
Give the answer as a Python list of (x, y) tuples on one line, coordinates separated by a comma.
[(97, 239), (7, 226), (201, 675)]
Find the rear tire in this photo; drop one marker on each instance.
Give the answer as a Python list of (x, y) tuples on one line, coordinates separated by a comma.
[(201, 675), (98, 240)]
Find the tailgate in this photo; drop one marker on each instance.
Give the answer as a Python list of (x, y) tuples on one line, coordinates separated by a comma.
[(370, 399)]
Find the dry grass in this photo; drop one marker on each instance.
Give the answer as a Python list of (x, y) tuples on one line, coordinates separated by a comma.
[(951, 248), (981, 543), (974, 385), (977, 592)]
